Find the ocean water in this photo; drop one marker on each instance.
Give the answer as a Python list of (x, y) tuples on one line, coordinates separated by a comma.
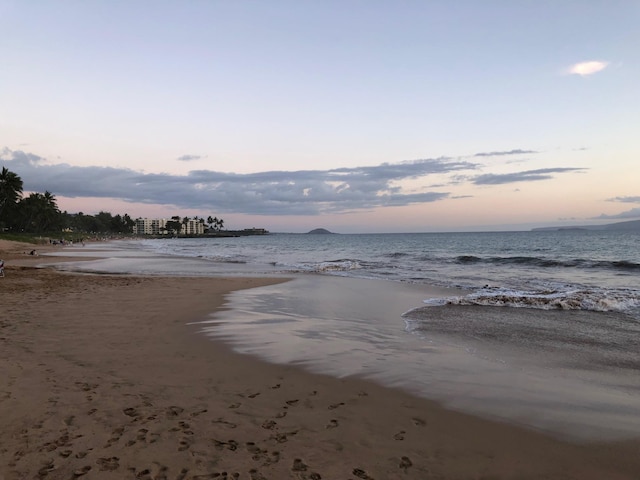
[(580, 269), (537, 328)]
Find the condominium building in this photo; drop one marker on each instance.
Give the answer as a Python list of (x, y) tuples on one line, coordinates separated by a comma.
[(150, 226), (158, 226), (192, 227)]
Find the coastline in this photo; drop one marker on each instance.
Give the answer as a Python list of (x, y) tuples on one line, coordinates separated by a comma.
[(104, 379)]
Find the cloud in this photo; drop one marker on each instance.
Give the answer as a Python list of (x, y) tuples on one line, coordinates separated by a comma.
[(587, 68), (302, 192), (633, 213), (625, 199), (502, 153), (190, 158), (526, 176), (19, 157)]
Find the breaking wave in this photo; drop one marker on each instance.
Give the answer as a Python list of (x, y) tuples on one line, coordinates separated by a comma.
[(599, 300), (546, 262)]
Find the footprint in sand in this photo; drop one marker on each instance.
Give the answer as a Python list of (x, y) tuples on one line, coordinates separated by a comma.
[(274, 458), (218, 475), (222, 421), (399, 435), (46, 468), (358, 472), (81, 471), (259, 454), (253, 448), (183, 474), (419, 422), (115, 436), (185, 443), (108, 464), (333, 423), (230, 445), (83, 386), (298, 465), (198, 412), (269, 424), (405, 463), (256, 475), (130, 412), (82, 454), (333, 406), (174, 411), (143, 474), (162, 473), (283, 437)]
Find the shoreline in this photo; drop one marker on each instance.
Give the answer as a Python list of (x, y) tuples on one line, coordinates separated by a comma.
[(103, 372)]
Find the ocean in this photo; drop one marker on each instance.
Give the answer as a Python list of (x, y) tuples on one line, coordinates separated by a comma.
[(539, 328)]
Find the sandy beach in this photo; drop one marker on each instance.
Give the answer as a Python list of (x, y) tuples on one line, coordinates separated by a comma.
[(101, 376)]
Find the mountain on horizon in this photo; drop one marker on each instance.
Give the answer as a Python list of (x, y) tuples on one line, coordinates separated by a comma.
[(630, 225)]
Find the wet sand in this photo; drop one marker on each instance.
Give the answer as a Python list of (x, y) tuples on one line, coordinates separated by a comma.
[(102, 377)]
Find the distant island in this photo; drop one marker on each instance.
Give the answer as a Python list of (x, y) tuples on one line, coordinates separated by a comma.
[(320, 231), (630, 225)]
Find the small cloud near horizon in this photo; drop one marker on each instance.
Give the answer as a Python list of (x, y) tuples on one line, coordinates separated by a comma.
[(625, 199), (526, 176), (587, 68), (190, 158), (517, 151), (629, 214)]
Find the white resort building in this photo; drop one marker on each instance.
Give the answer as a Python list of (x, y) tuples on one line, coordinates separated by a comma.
[(158, 226)]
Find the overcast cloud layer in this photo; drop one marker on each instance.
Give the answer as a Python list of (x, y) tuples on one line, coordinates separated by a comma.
[(301, 192)]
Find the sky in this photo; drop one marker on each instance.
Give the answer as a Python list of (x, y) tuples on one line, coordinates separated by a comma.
[(350, 115)]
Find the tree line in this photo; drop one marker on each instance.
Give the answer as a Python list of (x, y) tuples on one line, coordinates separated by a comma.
[(39, 213)]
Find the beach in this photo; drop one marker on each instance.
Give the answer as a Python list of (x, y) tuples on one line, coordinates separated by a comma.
[(108, 376)]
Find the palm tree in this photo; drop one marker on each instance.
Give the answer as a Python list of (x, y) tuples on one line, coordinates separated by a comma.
[(39, 213), (10, 192), (50, 213)]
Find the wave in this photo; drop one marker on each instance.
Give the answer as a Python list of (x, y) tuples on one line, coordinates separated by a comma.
[(341, 265), (580, 299), (546, 262), (396, 255)]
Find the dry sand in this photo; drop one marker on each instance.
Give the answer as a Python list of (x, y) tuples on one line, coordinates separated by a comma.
[(101, 377)]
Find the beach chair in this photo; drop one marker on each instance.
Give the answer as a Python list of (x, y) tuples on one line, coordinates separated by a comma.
[(1, 268)]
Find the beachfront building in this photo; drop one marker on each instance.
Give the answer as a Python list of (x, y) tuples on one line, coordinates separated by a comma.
[(161, 226), (193, 227), (150, 226)]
